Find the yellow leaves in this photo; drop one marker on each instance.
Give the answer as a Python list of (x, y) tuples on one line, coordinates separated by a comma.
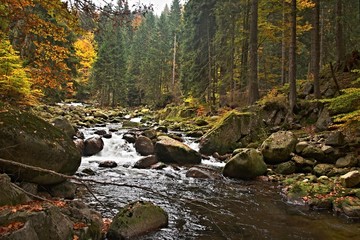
[(85, 50)]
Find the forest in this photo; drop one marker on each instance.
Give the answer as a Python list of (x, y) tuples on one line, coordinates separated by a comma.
[(219, 53)]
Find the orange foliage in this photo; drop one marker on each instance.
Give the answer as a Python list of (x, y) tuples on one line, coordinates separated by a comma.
[(11, 227)]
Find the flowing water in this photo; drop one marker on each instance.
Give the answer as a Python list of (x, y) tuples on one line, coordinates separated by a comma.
[(206, 209)]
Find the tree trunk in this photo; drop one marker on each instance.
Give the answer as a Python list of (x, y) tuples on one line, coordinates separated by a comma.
[(292, 57), (245, 49), (316, 50), (253, 60), (283, 45), (340, 45)]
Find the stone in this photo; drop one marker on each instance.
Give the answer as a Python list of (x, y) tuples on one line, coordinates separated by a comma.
[(169, 150), (93, 146), (224, 136), (327, 149), (107, 135), (88, 171), (315, 153), (144, 146), (350, 179), (108, 164), (324, 120), (100, 132), (80, 145), (335, 139), (64, 190), (278, 147), (323, 169), (30, 140), (158, 166), (349, 160), (286, 168), (195, 172), (150, 133), (300, 146), (247, 164), (65, 126), (130, 124), (10, 195), (130, 137), (137, 219), (146, 162)]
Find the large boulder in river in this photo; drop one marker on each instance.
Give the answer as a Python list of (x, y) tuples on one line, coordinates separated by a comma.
[(137, 219), (248, 163), (93, 145), (224, 137), (278, 147), (171, 150), (65, 125), (144, 146), (27, 139)]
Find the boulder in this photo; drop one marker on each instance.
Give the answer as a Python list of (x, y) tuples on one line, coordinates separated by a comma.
[(108, 164), (335, 139), (286, 168), (349, 160), (65, 190), (323, 169), (93, 146), (144, 146), (146, 162), (350, 179), (65, 125), (27, 139), (300, 146), (278, 147), (324, 120), (247, 164), (137, 219), (195, 172), (130, 137), (170, 150), (10, 195), (80, 145), (150, 133), (47, 221), (314, 152), (225, 135)]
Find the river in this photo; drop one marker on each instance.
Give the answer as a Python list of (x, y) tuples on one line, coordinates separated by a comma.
[(204, 208)]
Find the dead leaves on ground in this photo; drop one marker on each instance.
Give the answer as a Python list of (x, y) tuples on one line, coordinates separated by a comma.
[(11, 227)]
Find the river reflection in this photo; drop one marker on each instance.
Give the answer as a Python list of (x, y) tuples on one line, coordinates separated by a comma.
[(207, 209)]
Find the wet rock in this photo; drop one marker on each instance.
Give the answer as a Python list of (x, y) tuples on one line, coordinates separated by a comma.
[(247, 164), (10, 195), (137, 219), (286, 168), (144, 146), (88, 171), (195, 172), (351, 211), (158, 166), (107, 135), (335, 139), (163, 129), (278, 147), (350, 179), (65, 190), (349, 160), (170, 150), (93, 146), (65, 125), (80, 145), (108, 164), (30, 140), (100, 132), (224, 136), (146, 162), (130, 137), (195, 134), (201, 122)]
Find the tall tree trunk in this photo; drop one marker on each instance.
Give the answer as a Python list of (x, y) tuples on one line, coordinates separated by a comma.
[(283, 45), (245, 48), (316, 50), (174, 66), (340, 44), (232, 59), (253, 60), (292, 57)]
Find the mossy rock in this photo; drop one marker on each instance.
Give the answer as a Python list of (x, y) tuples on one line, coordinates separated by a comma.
[(224, 137), (27, 139), (137, 219)]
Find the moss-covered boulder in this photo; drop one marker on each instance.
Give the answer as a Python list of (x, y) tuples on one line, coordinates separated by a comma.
[(224, 137), (137, 219), (27, 139), (10, 195), (247, 164), (278, 147), (172, 151)]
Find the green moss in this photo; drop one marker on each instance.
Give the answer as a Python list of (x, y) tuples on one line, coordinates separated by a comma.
[(347, 102)]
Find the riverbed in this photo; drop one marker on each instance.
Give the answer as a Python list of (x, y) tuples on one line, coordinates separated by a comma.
[(205, 208)]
